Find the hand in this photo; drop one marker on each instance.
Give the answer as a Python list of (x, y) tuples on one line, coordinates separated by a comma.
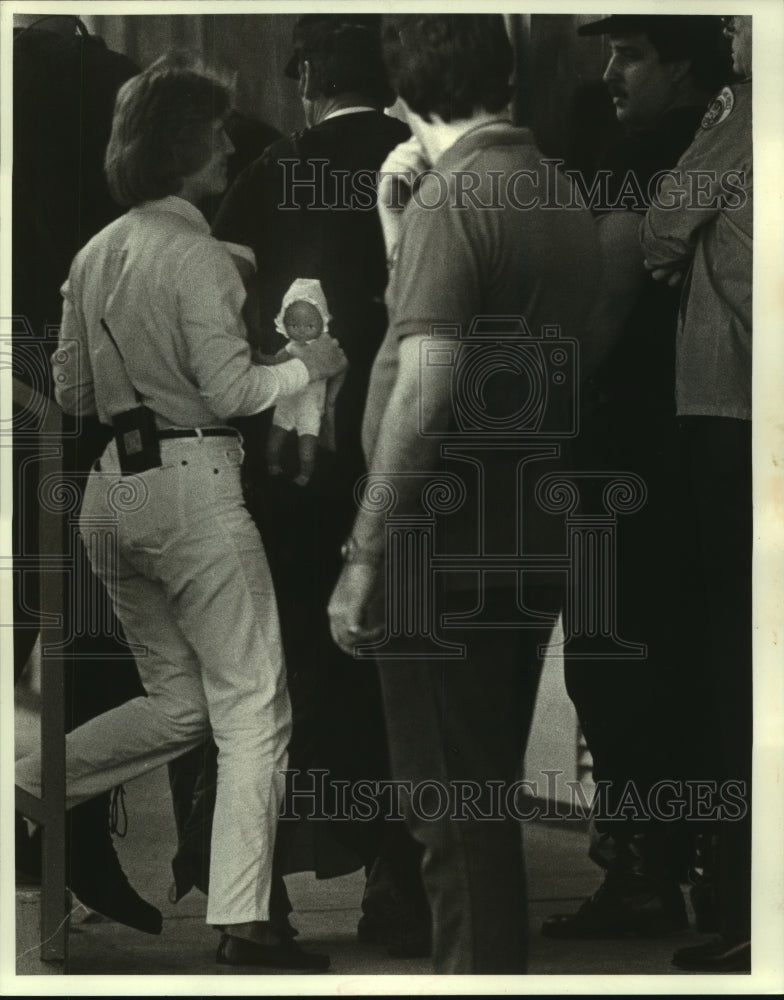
[(350, 614), (258, 357), (671, 275), (323, 357), (327, 433), (396, 180)]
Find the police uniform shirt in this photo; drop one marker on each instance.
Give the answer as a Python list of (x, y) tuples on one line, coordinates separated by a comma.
[(704, 216)]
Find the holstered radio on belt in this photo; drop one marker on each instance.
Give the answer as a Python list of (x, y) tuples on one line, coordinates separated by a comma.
[(136, 435)]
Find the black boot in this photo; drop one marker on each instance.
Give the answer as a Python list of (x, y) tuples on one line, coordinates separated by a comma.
[(625, 905), (94, 873), (639, 897)]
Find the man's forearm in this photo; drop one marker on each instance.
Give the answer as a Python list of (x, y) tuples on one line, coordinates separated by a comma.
[(663, 250), (401, 447)]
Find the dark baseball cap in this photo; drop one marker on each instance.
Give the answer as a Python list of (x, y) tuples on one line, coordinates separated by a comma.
[(340, 33), (696, 37), (647, 24), (621, 24)]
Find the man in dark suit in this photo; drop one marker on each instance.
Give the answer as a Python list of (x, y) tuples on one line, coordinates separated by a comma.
[(307, 206)]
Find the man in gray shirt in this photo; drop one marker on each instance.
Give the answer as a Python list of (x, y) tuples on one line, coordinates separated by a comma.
[(479, 268)]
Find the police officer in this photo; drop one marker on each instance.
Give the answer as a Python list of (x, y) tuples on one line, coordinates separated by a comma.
[(711, 242), (660, 75)]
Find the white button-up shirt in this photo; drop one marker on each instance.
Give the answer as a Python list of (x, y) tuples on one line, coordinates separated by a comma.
[(172, 298)]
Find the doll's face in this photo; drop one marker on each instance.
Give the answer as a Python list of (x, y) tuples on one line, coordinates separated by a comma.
[(303, 322)]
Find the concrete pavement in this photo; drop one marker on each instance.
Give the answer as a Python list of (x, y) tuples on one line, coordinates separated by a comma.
[(326, 914)]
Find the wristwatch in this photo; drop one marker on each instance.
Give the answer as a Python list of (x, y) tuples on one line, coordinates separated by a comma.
[(351, 552)]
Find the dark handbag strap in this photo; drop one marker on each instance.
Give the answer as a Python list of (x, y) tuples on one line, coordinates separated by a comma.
[(133, 388)]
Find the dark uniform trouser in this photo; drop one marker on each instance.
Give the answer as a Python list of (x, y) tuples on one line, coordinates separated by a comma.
[(643, 719), (468, 720), (721, 492)]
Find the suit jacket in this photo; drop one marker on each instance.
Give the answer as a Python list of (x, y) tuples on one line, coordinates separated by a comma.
[(307, 209)]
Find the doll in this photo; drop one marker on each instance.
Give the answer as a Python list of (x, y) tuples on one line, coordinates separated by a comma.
[(303, 317)]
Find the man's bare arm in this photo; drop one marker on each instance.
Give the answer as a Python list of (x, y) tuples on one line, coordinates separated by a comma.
[(419, 401), (416, 401)]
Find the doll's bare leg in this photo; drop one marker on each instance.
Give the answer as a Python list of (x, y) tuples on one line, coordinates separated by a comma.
[(275, 442), (308, 444)]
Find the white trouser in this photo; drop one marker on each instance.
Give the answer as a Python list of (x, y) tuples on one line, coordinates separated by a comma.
[(183, 563)]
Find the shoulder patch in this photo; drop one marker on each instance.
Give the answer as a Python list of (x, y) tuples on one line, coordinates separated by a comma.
[(720, 109)]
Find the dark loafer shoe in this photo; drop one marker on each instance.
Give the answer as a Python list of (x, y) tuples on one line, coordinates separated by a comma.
[(286, 954), (717, 955)]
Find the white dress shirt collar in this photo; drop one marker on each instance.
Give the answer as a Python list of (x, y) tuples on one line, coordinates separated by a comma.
[(180, 207)]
